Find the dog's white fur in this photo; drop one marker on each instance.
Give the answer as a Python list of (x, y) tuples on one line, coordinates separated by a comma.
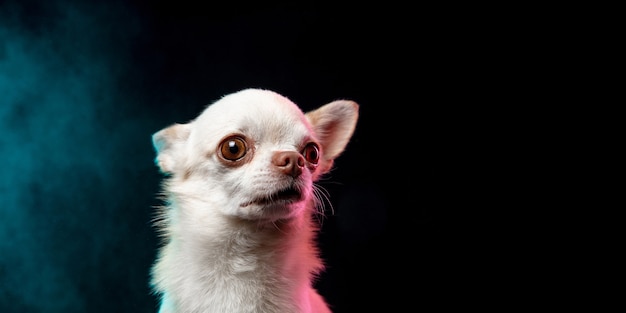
[(232, 243)]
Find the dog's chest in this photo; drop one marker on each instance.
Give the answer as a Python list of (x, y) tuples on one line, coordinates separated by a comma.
[(237, 283)]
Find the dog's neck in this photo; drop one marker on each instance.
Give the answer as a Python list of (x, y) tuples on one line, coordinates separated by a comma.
[(250, 255), (231, 232)]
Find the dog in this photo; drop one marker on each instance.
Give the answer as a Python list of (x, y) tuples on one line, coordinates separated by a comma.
[(241, 207)]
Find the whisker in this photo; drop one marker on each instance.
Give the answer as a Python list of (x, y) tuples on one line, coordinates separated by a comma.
[(322, 199)]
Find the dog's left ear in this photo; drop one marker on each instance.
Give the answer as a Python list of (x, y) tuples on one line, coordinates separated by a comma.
[(168, 144), (333, 124)]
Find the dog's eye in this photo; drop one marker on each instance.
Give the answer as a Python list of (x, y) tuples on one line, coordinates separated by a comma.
[(233, 148), (311, 153)]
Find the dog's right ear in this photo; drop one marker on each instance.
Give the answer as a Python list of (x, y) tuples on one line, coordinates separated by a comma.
[(168, 143)]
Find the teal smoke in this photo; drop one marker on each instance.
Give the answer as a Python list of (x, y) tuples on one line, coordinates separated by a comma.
[(75, 152)]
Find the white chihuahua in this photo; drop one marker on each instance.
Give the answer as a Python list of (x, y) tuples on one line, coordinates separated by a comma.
[(238, 224)]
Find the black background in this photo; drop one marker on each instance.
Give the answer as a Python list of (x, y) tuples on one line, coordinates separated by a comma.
[(407, 193)]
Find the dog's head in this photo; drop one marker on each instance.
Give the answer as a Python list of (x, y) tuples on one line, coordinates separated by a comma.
[(254, 154)]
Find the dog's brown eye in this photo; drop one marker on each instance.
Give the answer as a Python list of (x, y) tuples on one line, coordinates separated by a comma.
[(311, 153), (233, 148)]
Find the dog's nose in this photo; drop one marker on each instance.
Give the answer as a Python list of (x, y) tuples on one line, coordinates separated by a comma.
[(289, 162)]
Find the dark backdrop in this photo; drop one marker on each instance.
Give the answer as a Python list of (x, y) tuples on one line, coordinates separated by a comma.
[(83, 85)]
